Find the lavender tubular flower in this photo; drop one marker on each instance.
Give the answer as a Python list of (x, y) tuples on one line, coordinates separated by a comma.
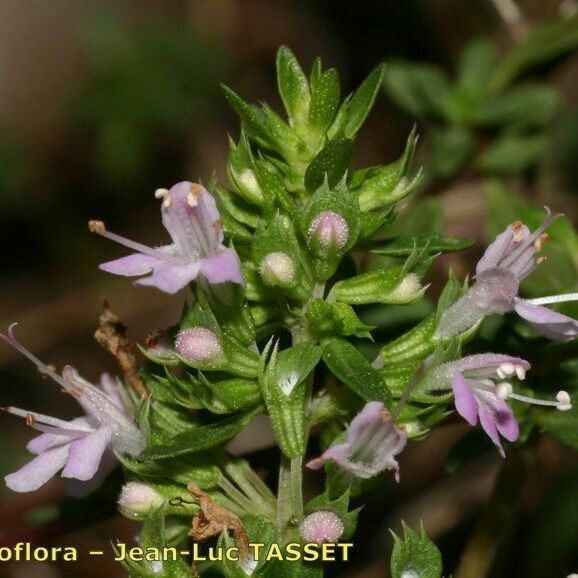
[(478, 397), (373, 441), (504, 265), (190, 215), (77, 446)]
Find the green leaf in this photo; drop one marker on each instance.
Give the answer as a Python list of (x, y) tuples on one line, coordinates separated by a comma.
[(336, 319), (403, 246), (384, 185), (415, 556), (362, 102), (476, 67), (543, 44), (522, 106), (349, 366), (333, 160), (284, 388), (200, 438), (293, 85), (420, 90), (513, 153), (451, 148), (252, 118), (324, 102)]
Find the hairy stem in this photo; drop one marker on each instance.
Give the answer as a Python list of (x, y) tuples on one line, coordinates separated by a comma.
[(289, 497)]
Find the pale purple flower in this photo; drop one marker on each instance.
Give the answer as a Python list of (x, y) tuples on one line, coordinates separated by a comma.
[(190, 215), (477, 395), (373, 441), (505, 264), (76, 447)]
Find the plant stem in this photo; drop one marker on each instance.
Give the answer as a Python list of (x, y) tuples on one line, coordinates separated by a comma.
[(289, 497), (497, 517)]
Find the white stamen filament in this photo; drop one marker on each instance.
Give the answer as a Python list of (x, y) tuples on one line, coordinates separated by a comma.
[(46, 419), (554, 299), (167, 200), (161, 193), (562, 403), (139, 247)]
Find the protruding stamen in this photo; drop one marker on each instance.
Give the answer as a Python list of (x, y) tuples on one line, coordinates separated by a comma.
[(518, 231), (167, 200), (99, 228), (32, 418), (192, 200), (506, 369), (161, 193), (529, 240), (554, 299), (564, 401), (504, 390), (520, 372)]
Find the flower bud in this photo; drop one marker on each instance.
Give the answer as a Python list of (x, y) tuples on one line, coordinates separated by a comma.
[(277, 269), (322, 526), (198, 344), (329, 230), (137, 499)]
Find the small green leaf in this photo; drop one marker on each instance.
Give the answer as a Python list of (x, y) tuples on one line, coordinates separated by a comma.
[(349, 366), (451, 148), (421, 90), (513, 153), (252, 118), (362, 102), (415, 556), (324, 102), (476, 67), (293, 85), (333, 161), (403, 246), (543, 44), (200, 438)]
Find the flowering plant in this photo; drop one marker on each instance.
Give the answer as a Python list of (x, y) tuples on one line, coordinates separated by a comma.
[(275, 269)]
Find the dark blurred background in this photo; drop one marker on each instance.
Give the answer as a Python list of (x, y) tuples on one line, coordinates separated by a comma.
[(103, 102)]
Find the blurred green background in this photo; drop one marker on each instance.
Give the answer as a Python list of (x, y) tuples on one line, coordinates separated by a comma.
[(103, 102)]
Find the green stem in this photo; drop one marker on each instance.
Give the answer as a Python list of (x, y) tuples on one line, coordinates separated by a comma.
[(289, 498)]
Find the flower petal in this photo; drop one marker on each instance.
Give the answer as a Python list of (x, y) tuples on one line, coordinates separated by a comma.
[(496, 250), (131, 265), (547, 322), (37, 472), (222, 266), (506, 423), (170, 277), (192, 219), (488, 423), (86, 454), (466, 403)]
